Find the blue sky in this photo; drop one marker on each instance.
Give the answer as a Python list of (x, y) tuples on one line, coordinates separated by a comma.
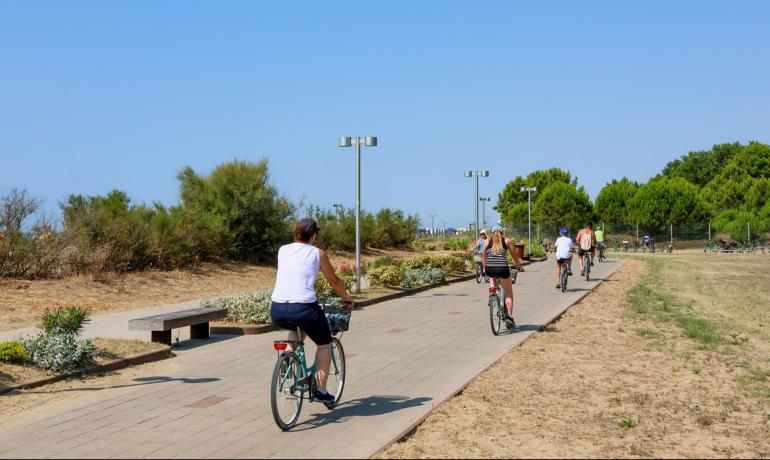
[(99, 95)]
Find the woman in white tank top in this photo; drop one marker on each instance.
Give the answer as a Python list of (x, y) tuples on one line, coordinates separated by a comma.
[(294, 300)]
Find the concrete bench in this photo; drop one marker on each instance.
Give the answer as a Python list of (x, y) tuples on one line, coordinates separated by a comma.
[(161, 325)]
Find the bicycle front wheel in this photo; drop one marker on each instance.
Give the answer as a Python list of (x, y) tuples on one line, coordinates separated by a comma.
[(285, 400), (587, 267), (495, 315), (336, 380), (478, 274)]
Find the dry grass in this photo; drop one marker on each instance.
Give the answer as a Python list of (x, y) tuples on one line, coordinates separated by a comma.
[(607, 381), (22, 302)]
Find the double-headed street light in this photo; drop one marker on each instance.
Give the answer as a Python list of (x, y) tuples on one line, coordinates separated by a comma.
[(369, 142), (477, 174), (529, 191)]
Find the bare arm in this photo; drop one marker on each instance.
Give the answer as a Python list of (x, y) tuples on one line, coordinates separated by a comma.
[(333, 279), (514, 255)]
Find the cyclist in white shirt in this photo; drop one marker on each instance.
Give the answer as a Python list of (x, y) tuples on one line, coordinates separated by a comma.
[(564, 247)]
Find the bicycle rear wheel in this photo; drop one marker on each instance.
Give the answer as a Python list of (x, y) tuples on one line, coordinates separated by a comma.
[(587, 267), (564, 277), (336, 381), (285, 400), (495, 314), (478, 274)]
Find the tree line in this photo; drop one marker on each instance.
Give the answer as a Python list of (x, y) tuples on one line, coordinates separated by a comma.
[(234, 213), (728, 185)]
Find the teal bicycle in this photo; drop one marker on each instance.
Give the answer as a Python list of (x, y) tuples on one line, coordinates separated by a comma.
[(293, 381)]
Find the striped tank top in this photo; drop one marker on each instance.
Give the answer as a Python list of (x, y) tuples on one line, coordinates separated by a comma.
[(497, 260)]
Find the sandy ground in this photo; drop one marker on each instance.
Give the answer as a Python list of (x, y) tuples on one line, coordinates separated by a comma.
[(608, 382), (22, 302)]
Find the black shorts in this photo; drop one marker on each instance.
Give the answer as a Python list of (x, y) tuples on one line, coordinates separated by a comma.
[(582, 252), (561, 261), (498, 272), (307, 316)]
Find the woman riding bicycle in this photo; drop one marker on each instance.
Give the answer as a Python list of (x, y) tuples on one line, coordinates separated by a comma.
[(295, 304), (495, 260)]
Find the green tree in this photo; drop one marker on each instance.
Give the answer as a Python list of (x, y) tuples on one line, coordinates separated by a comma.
[(665, 201), (238, 205), (612, 202), (511, 198), (562, 204), (700, 167), (731, 188)]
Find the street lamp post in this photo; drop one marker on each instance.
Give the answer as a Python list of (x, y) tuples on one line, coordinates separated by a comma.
[(347, 142), (339, 207), (529, 191), (432, 226), (484, 210), (477, 174)]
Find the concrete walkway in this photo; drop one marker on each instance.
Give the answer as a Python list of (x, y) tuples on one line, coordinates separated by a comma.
[(404, 357)]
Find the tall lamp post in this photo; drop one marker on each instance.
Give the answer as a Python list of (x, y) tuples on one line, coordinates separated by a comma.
[(477, 174), (484, 210), (529, 191), (432, 227), (339, 207), (347, 142)]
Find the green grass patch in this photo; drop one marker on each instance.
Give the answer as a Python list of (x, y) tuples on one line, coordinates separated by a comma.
[(647, 333), (646, 298), (627, 422)]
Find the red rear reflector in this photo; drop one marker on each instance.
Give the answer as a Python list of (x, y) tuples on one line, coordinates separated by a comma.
[(492, 291), (280, 346)]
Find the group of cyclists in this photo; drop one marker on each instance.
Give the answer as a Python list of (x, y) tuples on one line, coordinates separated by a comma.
[(491, 253), (295, 305)]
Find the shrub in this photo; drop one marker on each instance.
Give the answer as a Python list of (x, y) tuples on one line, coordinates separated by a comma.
[(538, 252), (325, 292), (249, 308), (388, 275), (425, 276), (419, 245), (456, 244), (67, 320), (13, 352), (382, 261), (59, 351)]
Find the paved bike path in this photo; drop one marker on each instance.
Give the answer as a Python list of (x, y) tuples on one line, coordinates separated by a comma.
[(404, 357)]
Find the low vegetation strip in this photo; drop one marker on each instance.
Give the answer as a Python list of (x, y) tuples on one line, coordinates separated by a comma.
[(637, 368)]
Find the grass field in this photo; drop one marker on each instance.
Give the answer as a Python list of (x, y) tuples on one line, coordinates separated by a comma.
[(667, 359)]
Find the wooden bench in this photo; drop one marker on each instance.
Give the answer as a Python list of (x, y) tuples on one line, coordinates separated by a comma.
[(161, 325)]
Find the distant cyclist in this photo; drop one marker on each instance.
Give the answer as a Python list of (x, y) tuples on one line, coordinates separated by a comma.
[(294, 299), (495, 259), (586, 241), (564, 247), (478, 249), (600, 240)]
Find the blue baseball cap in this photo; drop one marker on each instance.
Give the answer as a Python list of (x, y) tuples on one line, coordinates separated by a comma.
[(564, 231)]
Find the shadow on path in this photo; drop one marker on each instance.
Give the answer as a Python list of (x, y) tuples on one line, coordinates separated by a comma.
[(141, 381), (362, 407)]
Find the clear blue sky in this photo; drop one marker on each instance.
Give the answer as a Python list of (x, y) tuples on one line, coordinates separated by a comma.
[(98, 95)]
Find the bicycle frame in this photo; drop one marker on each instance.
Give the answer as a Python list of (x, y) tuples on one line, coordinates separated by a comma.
[(306, 373)]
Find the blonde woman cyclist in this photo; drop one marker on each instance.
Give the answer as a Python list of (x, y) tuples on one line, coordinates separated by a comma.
[(495, 260)]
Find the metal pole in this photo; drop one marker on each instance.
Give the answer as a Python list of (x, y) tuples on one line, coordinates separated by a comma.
[(672, 233), (748, 231), (529, 211), (484, 213), (476, 173), (358, 215), (709, 230), (637, 231)]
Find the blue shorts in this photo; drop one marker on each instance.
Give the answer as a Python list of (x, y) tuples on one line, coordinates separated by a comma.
[(307, 316)]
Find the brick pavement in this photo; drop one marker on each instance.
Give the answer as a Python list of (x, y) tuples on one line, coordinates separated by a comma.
[(404, 357)]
